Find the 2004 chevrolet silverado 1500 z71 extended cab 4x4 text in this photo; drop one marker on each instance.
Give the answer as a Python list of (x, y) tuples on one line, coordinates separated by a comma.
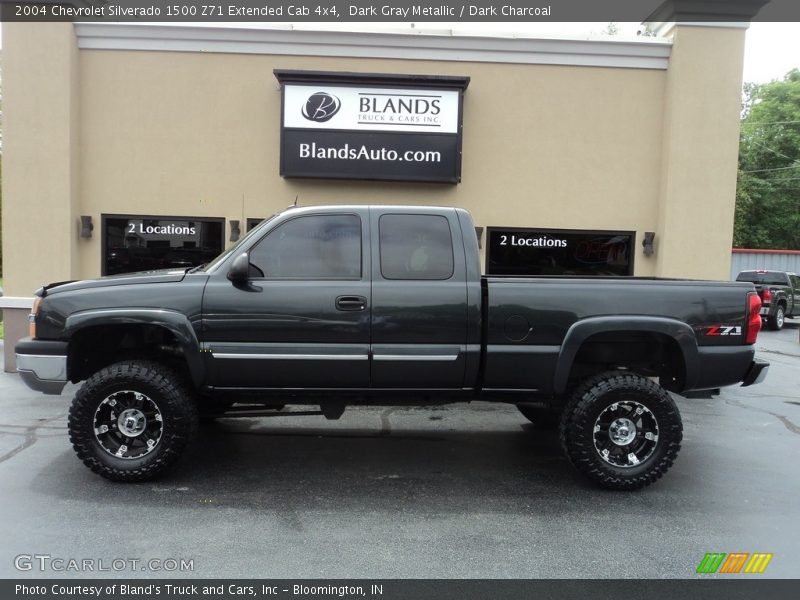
[(341, 305)]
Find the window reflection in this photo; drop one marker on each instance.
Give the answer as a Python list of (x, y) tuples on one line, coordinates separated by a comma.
[(140, 243)]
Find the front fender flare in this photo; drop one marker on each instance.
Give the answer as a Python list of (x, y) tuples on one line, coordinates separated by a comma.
[(580, 331), (177, 323)]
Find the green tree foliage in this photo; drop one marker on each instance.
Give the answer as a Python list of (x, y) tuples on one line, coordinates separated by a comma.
[(768, 190)]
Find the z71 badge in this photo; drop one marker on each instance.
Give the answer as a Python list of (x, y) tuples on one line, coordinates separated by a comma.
[(715, 330)]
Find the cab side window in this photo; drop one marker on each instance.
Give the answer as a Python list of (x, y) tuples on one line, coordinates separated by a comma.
[(415, 247), (310, 247)]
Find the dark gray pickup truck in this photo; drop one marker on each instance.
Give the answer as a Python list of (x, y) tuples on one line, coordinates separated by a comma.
[(779, 292), (338, 305)]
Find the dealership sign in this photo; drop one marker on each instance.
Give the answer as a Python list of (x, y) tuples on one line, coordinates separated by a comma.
[(389, 127)]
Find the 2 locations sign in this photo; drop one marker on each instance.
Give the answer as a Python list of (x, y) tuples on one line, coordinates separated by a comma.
[(519, 251), (387, 127)]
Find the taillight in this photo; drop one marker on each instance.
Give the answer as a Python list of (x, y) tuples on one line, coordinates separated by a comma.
[(766, 296), (32, 317), (753, 318)]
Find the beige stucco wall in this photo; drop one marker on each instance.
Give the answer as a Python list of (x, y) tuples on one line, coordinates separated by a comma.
[(700, 149), (40, 155), (197, 134)]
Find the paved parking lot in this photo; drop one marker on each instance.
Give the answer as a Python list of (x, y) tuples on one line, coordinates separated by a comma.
[(459, 491)]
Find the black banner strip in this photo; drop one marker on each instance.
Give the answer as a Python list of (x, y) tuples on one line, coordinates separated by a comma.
[(453, 11), (734, 588)]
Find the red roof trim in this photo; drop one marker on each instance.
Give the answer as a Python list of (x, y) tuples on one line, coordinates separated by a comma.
[(762, 251)]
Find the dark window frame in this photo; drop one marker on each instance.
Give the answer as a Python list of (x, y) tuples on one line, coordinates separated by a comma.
[(282, 223), (554, 232), (452, 252), (149, 217)]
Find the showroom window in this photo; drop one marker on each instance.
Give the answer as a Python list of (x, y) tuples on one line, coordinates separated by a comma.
[(252, 223), (519, 251), (310, 247), (145, 243), (415, 247)]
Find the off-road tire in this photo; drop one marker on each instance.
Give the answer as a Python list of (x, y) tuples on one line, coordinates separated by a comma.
[(586, 404), (165, 388), (776, 321), (542, 418)]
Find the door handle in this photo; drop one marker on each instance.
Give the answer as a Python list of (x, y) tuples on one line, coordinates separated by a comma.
[(351, 303)]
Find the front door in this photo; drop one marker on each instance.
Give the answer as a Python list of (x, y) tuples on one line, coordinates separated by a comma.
[(302, 318)]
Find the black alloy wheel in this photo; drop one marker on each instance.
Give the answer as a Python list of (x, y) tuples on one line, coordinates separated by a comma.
[(132, 420), (621, 430)]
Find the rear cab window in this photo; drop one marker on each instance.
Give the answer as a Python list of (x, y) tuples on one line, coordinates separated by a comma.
[(763, 277), (415, 247)]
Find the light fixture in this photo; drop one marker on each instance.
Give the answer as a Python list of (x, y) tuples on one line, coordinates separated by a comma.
[(86, 226), (479, 233), (235, 232), (647, 242)]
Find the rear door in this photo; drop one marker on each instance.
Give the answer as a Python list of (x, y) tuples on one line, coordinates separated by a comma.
[(302, 318), (419, 299)]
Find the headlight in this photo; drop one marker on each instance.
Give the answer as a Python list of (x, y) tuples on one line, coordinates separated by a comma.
[(32, 317)]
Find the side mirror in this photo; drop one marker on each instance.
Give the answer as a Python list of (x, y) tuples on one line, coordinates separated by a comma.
[(240, 269)]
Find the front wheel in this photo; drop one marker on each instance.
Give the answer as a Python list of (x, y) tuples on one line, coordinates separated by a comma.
[(131, 420), (621, 430), (776, 321)]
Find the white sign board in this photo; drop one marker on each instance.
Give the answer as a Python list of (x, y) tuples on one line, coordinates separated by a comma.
[(370, 109)]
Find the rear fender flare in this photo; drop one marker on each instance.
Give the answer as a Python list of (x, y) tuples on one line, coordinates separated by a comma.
[(580, 331)]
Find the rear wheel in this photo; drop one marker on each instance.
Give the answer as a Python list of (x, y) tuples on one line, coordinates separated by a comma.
[(621, 430), (776, 321), (132, 420)]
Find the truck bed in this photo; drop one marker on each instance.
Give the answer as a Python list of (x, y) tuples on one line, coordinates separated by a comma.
[(535, 321)]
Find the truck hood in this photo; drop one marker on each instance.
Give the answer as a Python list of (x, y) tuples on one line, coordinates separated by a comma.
[(164, 276)]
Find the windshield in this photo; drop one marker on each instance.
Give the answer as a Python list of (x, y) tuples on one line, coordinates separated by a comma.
[(763, 277), (209, 268)]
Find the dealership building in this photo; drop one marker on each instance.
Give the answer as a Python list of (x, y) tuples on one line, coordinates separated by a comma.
[(131, 147)]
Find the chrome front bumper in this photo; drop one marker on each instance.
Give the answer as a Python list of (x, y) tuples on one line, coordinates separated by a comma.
[(43, 373)]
